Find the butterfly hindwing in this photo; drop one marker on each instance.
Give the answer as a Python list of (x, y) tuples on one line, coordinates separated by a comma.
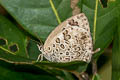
[(73, 43)]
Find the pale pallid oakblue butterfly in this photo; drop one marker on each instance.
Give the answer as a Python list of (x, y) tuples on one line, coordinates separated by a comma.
[(69, 41)]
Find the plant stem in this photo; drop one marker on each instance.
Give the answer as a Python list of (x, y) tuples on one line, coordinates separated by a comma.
[(95, 19), (55, 11), (94, 67)]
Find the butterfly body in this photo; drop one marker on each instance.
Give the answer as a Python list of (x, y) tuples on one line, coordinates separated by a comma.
[(70, 41)]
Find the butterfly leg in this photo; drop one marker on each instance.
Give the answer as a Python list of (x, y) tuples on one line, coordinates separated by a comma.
[(40, 47), (97, 50), (40, 57)]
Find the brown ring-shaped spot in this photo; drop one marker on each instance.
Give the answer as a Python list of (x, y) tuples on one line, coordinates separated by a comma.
[(67, 53), (71, 22), (82, 15), (68, 49), (90, 48), (86, 23), (87, 29), (3, 42), (58, 40), (60, 58), (78, 54), (85, 19), (67, 37), (13, 48), (66, 32), (53, 51), (71, 56), (78, 17), (71, 28), (83, 37), (85, 32), (83, 25), (61, 53), (63, 29), (76, 23), (57, 50), (49, 48), (62, 46), (77, 48), (53, 45)]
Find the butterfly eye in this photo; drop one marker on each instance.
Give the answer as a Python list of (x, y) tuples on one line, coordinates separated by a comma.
[(57, 40)]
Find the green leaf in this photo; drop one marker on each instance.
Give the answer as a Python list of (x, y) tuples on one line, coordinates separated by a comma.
[(33, 50), (15, 40), (39, 20), (68, 76), (116, 48), (96, 77), (18, 59), (105, 26), (70, 66), (10, 35), (15, 72), (104, 3), (13, 58), (37, 17)]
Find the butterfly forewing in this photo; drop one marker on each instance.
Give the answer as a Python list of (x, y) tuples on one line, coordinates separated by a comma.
[(77, 20)]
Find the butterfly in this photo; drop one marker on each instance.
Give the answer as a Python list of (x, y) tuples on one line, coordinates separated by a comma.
[(69, 41)]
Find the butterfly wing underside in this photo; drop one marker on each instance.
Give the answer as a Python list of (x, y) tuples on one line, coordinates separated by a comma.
[(70, 41)]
